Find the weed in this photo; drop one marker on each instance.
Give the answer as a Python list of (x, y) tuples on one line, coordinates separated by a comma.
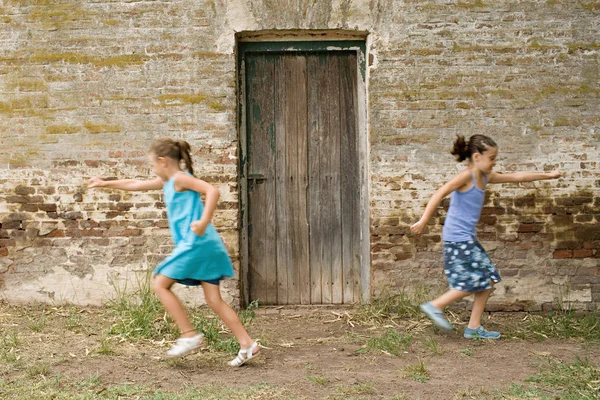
[(432, 345), (579, 380), (391, 343), (418, 372), (360, 388), (389, 305), (140, 315), (39, 324), (467, 352), (105, 348), (38, 370), (558, 324), (318, 380)]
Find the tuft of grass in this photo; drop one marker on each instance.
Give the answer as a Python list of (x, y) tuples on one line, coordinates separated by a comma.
[(558, 324), (105, 348), (318, 380), (391, 342), (360, 388), (140, 315), (418, 372), (467, 352), (8, 346), (432, 345), (390, 304), (73, 322), (91, 388), (577, 380), (38, 370), (38, 325)]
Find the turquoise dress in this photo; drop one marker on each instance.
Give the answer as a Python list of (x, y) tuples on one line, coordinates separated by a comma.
[(195, 258)]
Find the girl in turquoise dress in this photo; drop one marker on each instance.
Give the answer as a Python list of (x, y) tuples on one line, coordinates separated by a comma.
[(200, 256)]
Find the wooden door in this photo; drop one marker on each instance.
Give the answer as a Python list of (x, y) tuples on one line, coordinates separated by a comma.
[(302, 177)]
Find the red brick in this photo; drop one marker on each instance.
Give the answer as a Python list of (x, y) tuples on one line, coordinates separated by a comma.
[(50, 207), (24, 190), (402, 256), (536, 227), (30, 207), (582, 253), (562, 254)]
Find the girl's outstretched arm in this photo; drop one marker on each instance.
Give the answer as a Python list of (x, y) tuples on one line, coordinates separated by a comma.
[(127, 184), (497, 177), (455, 183), (185, 181)]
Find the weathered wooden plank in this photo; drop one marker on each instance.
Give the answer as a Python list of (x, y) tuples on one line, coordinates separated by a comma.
[(349, 186), (284, 255), (315, 78), (301, 267), (334, 170), (325, 216), (261, 193)]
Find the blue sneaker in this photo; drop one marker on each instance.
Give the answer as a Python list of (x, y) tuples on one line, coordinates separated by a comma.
[(480, 333), (436, 315)]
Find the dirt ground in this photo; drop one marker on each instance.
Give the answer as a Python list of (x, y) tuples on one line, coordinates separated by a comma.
[(308, 354)]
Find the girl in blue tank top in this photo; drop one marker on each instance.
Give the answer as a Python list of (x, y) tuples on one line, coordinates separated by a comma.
[(466, 264), (199, 256)]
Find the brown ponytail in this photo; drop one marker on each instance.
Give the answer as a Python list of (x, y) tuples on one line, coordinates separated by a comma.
[(184, 150), (175, 149), (463, 149)]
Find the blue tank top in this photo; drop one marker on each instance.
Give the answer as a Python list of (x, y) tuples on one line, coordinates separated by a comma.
[(463, 213)]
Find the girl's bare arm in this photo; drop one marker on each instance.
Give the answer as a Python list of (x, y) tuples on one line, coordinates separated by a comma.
[(497, 177), (127, 184), (450, 186)]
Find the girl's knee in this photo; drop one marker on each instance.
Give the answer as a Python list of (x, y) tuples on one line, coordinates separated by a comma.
[(213, 300), (159, 283)]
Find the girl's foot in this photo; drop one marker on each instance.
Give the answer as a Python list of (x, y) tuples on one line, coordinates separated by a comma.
[(184, 345), (436, 315), (480, 333), (245, 355)]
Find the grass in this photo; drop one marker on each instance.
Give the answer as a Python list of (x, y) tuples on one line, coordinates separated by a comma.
[(578, 380), (432, 345), (557, 324), (38, 325), (105, 348), (390, 343), (394, 304), (418, 372), (92, 388), (141, 316), (467, 352), (8, 346), (318, 380)]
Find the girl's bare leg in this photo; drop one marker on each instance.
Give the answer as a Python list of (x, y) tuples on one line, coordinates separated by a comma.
[(162, 288), (479, 303), (448, 298), (212, 295)]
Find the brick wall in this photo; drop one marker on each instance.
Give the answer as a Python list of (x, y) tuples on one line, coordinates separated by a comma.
[(86, 86)]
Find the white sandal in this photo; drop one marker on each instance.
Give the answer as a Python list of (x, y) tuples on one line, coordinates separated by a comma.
[(245, 355)]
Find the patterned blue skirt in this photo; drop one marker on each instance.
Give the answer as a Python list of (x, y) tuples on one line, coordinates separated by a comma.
[(468, 267)]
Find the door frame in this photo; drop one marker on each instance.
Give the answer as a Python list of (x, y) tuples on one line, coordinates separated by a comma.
[(359, 46)]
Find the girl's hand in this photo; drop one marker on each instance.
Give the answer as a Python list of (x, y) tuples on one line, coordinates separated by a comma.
[(418, 228), (555, 174), (199, 227), (95, 182)]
